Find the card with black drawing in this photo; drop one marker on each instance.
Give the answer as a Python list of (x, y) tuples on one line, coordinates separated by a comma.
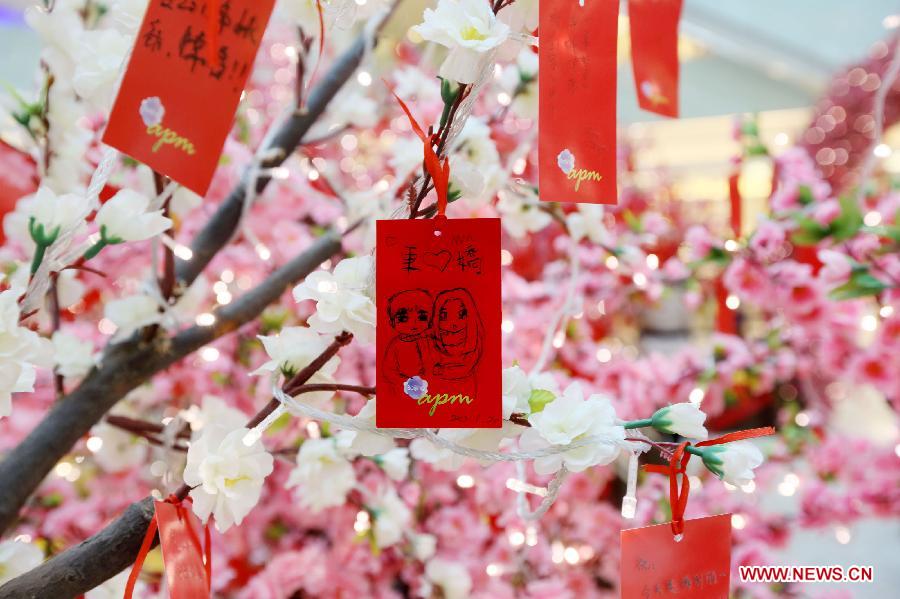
[(438, 329)]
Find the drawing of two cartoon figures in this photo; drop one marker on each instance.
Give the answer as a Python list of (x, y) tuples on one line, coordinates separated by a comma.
[(439, 338)]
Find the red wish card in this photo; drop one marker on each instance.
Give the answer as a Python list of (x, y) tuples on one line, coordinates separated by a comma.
[(181, 551), (577, 97), (189, 64), (654, 564), (438, 328), (654, 53)]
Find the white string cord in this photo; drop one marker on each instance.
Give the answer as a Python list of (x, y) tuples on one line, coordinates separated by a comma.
[(351, 423), (559, 320)]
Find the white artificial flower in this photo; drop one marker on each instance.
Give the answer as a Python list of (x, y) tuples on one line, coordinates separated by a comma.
[(587, 222), (343, 298), (227, 473), (406, 156), (517, 387), (57, 213), (60, 32), (452, 577), (392, 518), (323, 476), (413, 84), (183, 202), (474, 151), (354, 108), (569, 418), (69, 289), (17, 558), (395, 463), (364, 442), (74, 357), (131, 313), (69, 137), (521, 16), (733, 462), (212, 410), (21, 351), (519, 81), (191, 302), (120, 450), (423, 546), (465, 177), (124, 217), (469, 30), (521, 213), (684, 419), (98, 59), (15, 224), (293, 349)]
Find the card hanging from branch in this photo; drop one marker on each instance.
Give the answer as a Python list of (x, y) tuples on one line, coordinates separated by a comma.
[(653, 26), (687, 557), (438, 327), (577, 96), (188, 67)]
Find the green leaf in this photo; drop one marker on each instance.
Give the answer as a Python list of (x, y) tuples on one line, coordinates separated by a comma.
[(633, 222), (809, 232), (861, 284), (805, 195), (538, 399), (849, 222)]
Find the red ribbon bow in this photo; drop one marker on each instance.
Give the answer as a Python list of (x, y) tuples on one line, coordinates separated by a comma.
[(678, 494), (149, 537)]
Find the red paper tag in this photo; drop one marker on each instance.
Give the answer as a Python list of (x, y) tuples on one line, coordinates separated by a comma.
[(699, 566), (438, 329), (182, 553), (654, 53), (577, 89), (183, 82)]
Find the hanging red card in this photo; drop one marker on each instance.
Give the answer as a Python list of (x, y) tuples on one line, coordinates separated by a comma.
[(181, 551), (188, 67), (577, 97), (654, 53), (654, 564), (438, 328)]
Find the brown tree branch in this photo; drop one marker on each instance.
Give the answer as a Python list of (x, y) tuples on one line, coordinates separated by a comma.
[(99, 558), (275, 150), (127, 365)]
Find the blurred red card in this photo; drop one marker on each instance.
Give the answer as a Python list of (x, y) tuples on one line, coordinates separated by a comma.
[(577, 97), (699, 566), (183, 82), (438, 328), (654, 53), (181, 551)]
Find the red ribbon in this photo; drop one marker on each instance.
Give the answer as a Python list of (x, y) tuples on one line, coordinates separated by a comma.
[(678, 494), (440, 172), (149, 537)]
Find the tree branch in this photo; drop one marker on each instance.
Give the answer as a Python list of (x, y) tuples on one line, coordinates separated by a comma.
[(275, 149), (99, 558), (126, 367)]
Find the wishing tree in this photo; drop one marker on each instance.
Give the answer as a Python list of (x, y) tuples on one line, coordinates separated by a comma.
[(217, 352)]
